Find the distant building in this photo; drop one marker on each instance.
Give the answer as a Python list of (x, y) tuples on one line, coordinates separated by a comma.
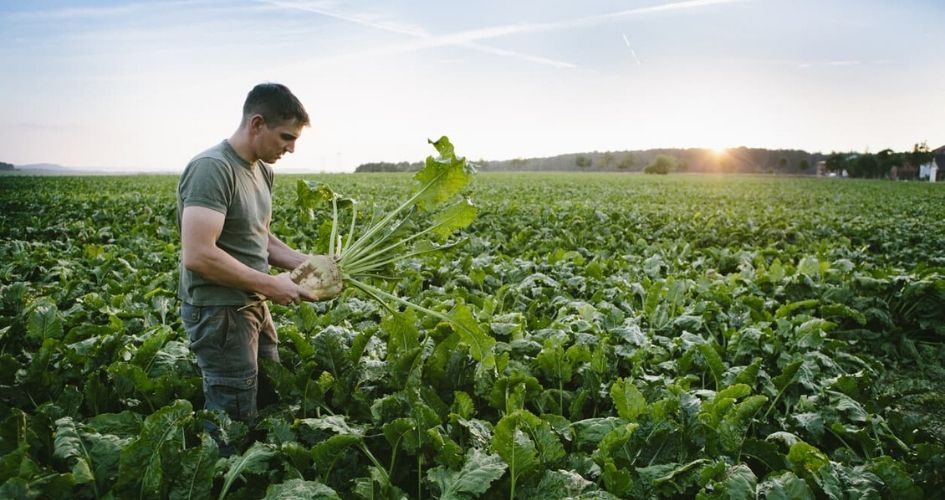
[(906, 170), (821, 168), (930, 170)]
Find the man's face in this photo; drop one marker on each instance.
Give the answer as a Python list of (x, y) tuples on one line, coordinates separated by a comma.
[(273, 141)]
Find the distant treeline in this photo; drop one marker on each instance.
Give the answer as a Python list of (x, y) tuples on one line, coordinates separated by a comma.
[(384, 166), (886, 163), (6, 166), (744, 160)]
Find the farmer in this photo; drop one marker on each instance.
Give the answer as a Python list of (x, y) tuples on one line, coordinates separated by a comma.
[(224, 206)]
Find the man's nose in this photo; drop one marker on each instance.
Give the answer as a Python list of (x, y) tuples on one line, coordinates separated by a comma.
[(290, 147)]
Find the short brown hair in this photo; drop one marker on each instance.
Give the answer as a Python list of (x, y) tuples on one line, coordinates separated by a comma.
[(275, 103)]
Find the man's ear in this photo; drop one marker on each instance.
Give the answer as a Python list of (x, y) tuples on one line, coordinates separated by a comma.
[(256, 122)]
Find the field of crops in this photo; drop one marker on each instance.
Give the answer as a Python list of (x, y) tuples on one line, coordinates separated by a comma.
[(635, 337)]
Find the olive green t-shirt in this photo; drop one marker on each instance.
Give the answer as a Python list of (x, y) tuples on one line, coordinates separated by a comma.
[(220, 180)]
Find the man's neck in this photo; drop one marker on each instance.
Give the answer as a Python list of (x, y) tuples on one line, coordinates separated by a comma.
[(240, 143)]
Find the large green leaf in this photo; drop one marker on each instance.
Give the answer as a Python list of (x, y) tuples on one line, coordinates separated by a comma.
[(806, 458), (311, 195), (145, 355), (402, 334), (197, 468), (613, 447), (739, 483), (515, 446), (735, 423), (554, 363), (477, 473), (453, 218), (479, 343), (142, 463), (334, 423), (525, 441), (325, 453), (69, 446), (895, 477), (628, 400), (44, 322), (441, 177), (299, 489), (713, 360), (565, 484), (784, 486), (255, 460)]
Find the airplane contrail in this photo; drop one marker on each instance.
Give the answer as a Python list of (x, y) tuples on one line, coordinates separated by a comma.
[(632, 52)]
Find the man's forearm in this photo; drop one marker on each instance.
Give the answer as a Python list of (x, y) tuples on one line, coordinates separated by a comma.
[(221, 268), (281, 256)]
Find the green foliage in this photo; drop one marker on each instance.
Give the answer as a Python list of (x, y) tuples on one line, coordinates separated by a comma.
[(479, 471), (604, 336), (662, 164)]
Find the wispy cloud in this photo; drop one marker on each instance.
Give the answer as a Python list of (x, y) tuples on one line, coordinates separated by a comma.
[(472, 38), (426, 39), (330, 9), (103, 11), (598, 19), (841, 64)]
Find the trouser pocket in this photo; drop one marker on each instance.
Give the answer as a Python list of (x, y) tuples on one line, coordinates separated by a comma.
[(234, 395)]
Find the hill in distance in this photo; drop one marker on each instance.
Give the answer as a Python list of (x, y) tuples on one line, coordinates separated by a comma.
[(741, 159)]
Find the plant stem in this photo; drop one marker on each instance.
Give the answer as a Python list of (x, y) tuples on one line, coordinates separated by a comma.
[(359, 250), (774, 402), (334, 226), (394, 245), (383, 222), (354, 218), (362, 266)]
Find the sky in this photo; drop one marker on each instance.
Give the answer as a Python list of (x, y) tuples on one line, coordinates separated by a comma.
[(144, 86)]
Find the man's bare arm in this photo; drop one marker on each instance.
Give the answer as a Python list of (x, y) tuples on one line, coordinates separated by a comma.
[(200, 229), (281, 256)]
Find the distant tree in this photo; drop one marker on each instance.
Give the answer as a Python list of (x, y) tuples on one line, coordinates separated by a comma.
[(583, 161), (863, 165), (627, 161), (607, 159), (389, 167), (782, 164), (6, 166), (836, 162), (886, 160), (662, 164), (803, 165), (519, 163)]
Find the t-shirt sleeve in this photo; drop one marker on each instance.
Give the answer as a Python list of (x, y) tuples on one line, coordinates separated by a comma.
[(206, 182)]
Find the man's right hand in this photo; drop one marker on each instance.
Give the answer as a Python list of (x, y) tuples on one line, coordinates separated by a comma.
[(285, 291)]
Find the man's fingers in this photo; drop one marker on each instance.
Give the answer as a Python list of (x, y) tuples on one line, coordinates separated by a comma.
[(305, 294)]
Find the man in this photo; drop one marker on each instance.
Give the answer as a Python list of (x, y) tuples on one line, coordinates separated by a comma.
[(224, 208)]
